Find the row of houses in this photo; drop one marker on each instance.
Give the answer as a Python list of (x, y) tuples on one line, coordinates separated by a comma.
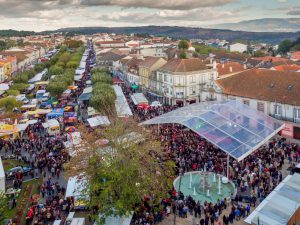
[(16, 60), (273, 90)]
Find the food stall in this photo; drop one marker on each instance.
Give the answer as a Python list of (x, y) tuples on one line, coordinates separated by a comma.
[(76, 188), (98, 121), (9, 131), (56, 113), (52, 127)]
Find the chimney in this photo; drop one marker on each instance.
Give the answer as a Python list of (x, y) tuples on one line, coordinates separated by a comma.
[(223, 65), (210, 60), (230, 69), (214, 65), (245, 66)]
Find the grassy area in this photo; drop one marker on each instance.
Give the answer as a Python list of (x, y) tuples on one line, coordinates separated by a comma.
[(23, 202), (11, 163)]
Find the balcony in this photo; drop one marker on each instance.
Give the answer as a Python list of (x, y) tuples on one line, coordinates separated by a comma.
[(287, 119)]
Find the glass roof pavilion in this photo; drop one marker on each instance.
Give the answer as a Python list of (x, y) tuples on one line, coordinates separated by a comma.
[(230, 125)]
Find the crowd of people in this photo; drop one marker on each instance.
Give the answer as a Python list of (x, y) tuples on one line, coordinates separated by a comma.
[(44, 155), (254, 177)]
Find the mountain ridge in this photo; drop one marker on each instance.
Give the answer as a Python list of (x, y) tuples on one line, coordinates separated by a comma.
[(189, 32)]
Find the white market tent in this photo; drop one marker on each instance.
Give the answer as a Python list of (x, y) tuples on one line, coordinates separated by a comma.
[(76, 187), (79, 71), (121, 104), (38, 77), (139, 98), (280, 205), (117, 220), (2, 177), (98, 121), (51, 123), (87, 90), (4, 86), (232, 126), (78, 77)]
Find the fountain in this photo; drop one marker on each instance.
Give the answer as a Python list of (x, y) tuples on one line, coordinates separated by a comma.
[(205, 186)]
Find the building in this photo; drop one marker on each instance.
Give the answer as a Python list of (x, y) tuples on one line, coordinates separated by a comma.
[(228, 68), (2, 76), (131, 70), (180, 81), (14, 64), (7, 67), (147, 67), (111, 44), (275, 93), (106, 59), (238, 47)]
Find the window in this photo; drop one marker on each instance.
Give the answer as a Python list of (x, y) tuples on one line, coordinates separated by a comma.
[(297, 114), (166, 78), (246, 102), (192, 90), (193, 79), (261, 106), (277, 109)]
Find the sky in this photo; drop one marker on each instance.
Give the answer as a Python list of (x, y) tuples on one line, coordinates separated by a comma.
[(41, 15)]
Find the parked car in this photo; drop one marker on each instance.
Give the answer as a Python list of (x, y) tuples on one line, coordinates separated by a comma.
[(13, 171), (156, 104)]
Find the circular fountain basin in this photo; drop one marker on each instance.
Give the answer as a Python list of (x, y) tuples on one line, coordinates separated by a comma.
[(200, 192)]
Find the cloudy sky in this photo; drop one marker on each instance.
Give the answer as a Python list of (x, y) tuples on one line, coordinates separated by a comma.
[(39, 15)]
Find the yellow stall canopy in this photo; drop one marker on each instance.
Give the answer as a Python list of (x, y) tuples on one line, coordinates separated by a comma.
[(41, 83), (39, 112), (8, 130)]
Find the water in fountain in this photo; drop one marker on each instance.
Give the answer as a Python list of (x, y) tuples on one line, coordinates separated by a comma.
[(204, 184)]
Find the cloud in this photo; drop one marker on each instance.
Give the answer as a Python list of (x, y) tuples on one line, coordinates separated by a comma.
[(282, 1), (193, 17), (155, 4)]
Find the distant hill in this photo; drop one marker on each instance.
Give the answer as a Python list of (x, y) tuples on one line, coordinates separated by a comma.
[(190, 33), (15, 33), (264, 25)]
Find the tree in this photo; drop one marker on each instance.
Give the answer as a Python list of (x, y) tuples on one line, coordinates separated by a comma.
[(295, 48), (103, 99), (183, 44), (39, 67), (21, 87), (13, 92), (55, 70), (122, 174), (72, 64), (101, 77), (57, 88), (259, 54), (3, 205), (284, 47), (182, 55), (9, 103)]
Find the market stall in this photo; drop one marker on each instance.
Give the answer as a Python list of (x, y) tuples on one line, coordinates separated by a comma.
[(98, 121), (56, 113), (52, 127), (76, 188)]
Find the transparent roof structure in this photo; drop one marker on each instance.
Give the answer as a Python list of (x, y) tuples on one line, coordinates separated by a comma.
[(280, 205), (231, 125)]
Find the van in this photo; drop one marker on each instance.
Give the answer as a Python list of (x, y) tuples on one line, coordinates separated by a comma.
[(46, 97)]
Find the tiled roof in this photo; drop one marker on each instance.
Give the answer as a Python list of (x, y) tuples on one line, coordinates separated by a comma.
[(271, 58), (229, 67), (110, 56), (287, 68), (263, 84), (184, 65), (149, 61)]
